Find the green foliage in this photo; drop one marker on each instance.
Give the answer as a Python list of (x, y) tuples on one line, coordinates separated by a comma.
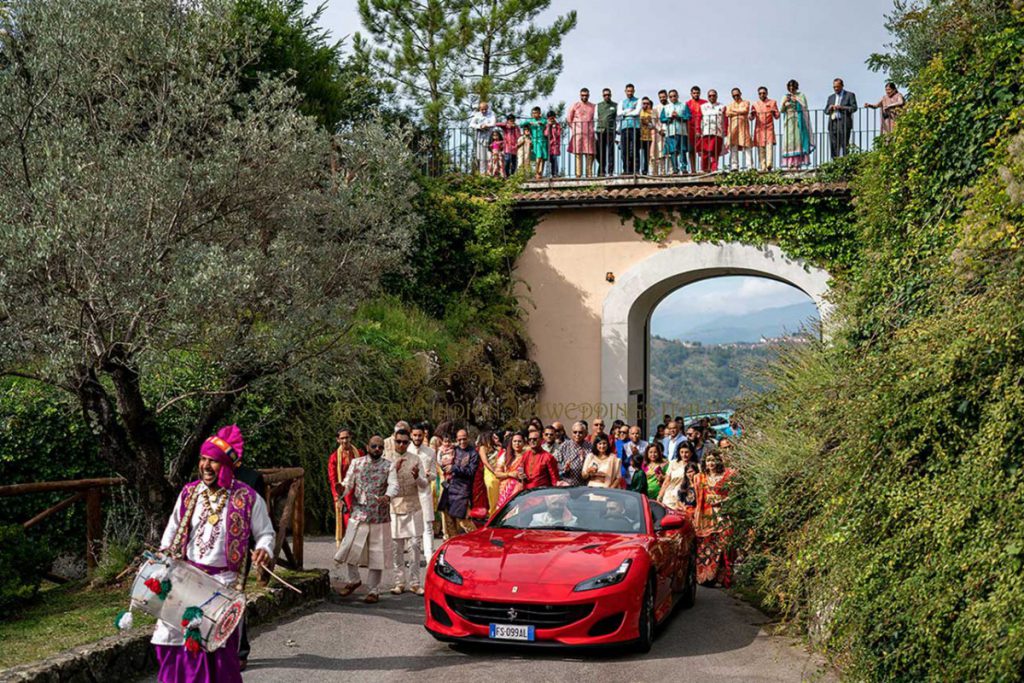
[(466, 247), (881, 478), (697, 379), (22, 564), (334, 89), (510, 59)]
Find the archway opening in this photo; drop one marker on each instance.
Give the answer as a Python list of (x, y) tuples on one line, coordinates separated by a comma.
[(706, 339)]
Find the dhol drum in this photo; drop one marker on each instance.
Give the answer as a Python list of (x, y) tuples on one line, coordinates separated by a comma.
[(220, 608)]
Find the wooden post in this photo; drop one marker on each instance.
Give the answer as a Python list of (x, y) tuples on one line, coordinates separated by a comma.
[(299, 522), (93, 526)]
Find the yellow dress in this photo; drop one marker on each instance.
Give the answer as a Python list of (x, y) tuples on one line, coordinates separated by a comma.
[(493, 485)]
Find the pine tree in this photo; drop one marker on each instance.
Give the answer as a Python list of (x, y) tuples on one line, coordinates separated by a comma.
[(418, 49), (510, 59)]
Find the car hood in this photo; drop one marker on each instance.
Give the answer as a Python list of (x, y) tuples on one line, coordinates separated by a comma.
[(528, 556)]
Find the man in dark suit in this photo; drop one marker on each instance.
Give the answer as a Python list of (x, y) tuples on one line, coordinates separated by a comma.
[(839, 109), (254, 479)]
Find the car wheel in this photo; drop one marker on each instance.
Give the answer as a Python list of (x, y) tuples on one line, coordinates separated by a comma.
[(690, 590), (646, 622)]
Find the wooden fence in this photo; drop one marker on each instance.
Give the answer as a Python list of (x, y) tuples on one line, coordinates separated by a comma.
[(286, 482)]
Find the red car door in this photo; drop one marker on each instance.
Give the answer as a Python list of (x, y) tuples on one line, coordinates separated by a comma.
[(666, 553)]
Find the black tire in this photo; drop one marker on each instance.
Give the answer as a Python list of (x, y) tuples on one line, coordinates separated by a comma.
[(689, 598), (645, 626)]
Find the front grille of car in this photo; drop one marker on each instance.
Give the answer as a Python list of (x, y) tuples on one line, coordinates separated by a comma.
[(541, 616)]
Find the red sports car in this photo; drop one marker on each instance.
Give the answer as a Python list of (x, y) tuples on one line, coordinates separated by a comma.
[(564, 566)]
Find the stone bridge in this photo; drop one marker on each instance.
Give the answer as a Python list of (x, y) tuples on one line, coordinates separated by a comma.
[(589, 282)]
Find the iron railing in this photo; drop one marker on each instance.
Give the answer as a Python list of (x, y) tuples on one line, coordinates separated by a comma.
[(462, 149)]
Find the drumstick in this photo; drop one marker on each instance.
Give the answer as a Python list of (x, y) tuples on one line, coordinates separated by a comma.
[(267, 570)]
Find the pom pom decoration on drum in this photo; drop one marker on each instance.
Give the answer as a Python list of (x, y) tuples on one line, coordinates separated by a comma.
[(188, 600)]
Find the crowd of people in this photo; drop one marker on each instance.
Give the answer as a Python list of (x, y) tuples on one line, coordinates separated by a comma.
[(403, 492), (669, 136)]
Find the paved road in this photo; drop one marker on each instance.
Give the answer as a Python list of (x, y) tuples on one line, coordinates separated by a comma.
[(720, 639)]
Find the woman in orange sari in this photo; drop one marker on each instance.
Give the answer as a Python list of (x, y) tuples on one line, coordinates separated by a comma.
[(714, 557), (507, 466)]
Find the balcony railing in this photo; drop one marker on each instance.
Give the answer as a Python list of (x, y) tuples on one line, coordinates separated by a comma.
[(466, 150)]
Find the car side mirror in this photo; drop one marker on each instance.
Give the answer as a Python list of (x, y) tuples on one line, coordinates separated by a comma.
[(670, 522)]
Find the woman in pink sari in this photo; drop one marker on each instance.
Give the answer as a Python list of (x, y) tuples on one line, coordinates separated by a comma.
[(507, 468)]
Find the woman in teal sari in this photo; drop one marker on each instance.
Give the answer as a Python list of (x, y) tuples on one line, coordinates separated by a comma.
[(797, 135)]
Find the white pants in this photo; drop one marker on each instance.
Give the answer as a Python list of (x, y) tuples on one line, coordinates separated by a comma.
[(415, 552), (734, 158), (428, 541), (765, 155), (373, 577)]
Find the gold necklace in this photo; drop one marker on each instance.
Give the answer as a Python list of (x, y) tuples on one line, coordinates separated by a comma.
[(212, 512)]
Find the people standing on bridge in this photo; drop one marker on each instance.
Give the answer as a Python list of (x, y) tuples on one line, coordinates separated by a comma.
[(553, 134), (601, 468), (713, 131), (580, 120), (891, 104), (523, 148), (337, 467), (797, 133), (510, 140), (571, 455), (538, 143), (714, 557), (607, 116), (738, 115), (373, 482), (765, 113), (657, 147), (457, 497), (646, 134), (630, 131), (840, 107), (407, 515), (673, 439), (481, 122), (693, 105), (676, 117), (428, 461)]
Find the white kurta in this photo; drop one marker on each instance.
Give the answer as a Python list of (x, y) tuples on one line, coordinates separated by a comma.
[(406, 512), (428, 464), (367, 542), (208, 545)]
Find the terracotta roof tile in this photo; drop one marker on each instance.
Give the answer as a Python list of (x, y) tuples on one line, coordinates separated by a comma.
[(688, 193)]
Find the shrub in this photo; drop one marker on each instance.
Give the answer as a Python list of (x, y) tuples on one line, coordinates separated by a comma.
[(22, 564)]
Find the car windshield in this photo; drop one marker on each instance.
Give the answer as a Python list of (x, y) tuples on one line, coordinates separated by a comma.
[(574, 509)]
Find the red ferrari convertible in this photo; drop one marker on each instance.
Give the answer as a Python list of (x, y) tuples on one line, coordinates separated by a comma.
[(564, 566)]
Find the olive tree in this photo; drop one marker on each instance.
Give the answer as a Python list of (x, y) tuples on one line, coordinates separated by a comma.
[(152, 209)]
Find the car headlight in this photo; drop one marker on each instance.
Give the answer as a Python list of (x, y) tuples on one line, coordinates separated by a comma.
[(611, 578), (446, 571)]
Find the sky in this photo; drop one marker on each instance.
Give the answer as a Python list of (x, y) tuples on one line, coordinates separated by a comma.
[(679, 43)]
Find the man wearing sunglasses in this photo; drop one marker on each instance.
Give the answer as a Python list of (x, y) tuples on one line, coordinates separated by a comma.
[(407, 515), (373, 482), (570, 456), (538, 467)]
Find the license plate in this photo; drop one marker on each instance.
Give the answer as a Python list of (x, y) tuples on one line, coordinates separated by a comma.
[(511, 632)]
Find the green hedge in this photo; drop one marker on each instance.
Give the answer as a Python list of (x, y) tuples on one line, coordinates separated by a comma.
[(881, 480)]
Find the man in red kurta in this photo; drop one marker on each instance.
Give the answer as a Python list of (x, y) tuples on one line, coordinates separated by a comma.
[(694, 104), (539, 468), (337, 466)]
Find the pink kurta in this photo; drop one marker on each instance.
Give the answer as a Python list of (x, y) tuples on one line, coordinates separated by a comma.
[(581, 127), (765, 114)]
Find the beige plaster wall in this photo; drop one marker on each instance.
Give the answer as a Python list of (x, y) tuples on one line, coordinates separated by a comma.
[(563, 289)]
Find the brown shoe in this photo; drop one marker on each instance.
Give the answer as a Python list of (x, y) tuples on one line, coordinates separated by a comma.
[(348, 588), (371, 598)]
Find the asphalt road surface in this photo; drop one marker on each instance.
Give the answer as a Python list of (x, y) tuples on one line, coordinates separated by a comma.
[(720, 639)]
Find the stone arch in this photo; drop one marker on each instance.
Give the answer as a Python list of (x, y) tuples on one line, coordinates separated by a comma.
[(628, 306)]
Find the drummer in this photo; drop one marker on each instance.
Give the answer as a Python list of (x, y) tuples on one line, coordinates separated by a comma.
[(208, 542)]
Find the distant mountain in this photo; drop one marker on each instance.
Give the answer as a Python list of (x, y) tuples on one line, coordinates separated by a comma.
[(743, 328)]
